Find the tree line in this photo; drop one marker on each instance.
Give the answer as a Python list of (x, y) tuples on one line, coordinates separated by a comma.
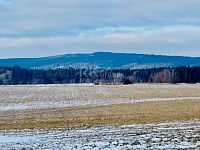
[(17, 75)]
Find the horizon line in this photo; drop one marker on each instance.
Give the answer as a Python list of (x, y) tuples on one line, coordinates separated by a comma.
[(87, 53)]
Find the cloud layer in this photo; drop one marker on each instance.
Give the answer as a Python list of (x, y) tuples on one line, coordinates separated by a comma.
[(47, 27)]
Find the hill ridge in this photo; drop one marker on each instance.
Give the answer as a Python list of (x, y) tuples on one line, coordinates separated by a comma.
[(103, 60)]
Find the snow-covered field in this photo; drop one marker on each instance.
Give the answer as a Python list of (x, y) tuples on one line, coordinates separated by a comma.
[(26, 97), (48, 116), (62, 104), (177, 135)]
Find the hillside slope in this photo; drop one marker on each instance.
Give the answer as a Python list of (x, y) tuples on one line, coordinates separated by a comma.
[(103, 60)]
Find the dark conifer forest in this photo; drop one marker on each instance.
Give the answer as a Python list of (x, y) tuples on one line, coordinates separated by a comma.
[(17, 75)]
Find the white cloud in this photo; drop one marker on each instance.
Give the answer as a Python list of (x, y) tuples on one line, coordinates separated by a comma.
[(153, 39), (152, 25)]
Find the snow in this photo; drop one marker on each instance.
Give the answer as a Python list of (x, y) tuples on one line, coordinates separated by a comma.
[(168, 135), (25, 97), (171, 135), (16, 138), (74, 103)]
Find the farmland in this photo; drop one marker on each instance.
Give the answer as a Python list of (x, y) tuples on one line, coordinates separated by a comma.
[(124, 110)]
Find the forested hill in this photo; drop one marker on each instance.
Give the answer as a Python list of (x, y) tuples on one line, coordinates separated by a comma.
[(17, 75), (103, 60)]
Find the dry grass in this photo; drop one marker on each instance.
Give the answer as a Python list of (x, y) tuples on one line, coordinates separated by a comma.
[(147, 112), (59, 93), (68, 117)]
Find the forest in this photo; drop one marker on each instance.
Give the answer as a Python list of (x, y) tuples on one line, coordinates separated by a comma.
[(17, 75)]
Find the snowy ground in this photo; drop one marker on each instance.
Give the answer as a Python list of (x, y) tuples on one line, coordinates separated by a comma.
[(62, 104), (178, 135), (31, 106), (26, 97)]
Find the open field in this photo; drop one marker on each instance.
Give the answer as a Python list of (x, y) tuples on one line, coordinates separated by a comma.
[(176, 135), (59, 96), (50, 106), (146, 112), (47, 111)]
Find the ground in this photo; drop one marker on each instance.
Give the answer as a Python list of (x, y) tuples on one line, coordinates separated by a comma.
[(28, 112)]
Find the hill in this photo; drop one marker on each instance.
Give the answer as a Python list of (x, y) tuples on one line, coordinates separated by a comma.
[(103, 60)]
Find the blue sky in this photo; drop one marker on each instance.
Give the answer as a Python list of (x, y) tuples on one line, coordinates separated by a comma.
[(34, 28)]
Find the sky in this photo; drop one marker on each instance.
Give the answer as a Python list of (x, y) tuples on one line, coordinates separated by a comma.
[(35, 28)]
